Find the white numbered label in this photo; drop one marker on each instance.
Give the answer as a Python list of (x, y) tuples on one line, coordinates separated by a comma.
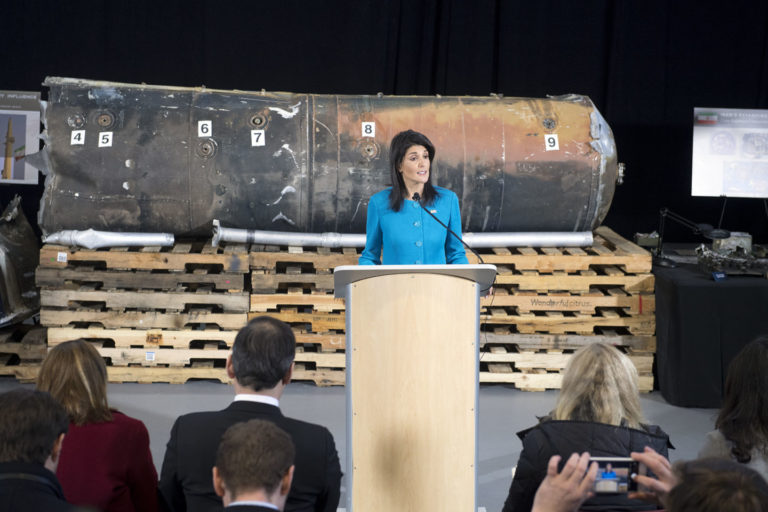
[(150, 356), (257, 137), (105, 139), (77, 138), (205, 128), (61, 257), (551, 143), (369, 129)]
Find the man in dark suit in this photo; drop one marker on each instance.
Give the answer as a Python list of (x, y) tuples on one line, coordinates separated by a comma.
[(32, 428), (254, 467), (261, 365)]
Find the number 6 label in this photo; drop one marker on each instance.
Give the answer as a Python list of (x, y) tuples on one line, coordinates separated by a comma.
[(551, 143), (369, 129), (257, 137), (204, 128), (105, 139)]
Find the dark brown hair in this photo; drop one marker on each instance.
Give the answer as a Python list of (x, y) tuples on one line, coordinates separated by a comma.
[(743, 418), (30, 423), (717, 485), (254, 455), (75, 374)]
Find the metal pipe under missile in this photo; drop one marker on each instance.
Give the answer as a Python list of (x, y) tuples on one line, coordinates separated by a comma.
[(475, 240)]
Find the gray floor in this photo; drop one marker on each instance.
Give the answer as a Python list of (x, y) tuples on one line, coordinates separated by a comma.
[(503, 411)]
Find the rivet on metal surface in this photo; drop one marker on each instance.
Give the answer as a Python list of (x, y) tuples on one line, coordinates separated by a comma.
[(76, 120), (207, 148), (258, 121), (105, 119)]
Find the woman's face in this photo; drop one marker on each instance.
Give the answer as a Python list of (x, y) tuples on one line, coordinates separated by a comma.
[(415, 167)]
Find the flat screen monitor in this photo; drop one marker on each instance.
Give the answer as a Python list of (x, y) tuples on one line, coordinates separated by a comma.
[(730, 152)]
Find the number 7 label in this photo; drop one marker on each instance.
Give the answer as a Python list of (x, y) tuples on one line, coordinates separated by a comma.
[(257, 138)]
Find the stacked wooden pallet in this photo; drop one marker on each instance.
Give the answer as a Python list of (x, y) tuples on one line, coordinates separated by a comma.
[(22, 349), (296, 286), (155, 314), (550, 301), (169, 315)]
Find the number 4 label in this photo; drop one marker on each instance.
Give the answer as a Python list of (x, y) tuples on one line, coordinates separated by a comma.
[(551, 143), (369, 129), (204, 128), (105, 139), (77, 138), (257, 137)]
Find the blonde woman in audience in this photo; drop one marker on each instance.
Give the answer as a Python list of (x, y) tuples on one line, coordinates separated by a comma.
[(598, 411), (742, 425), (105, 460)]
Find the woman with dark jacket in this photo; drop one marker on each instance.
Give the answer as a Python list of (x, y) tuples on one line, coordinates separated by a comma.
[(597, 411)]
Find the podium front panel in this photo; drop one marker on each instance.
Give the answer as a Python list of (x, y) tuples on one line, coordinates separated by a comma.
[(412, 388)]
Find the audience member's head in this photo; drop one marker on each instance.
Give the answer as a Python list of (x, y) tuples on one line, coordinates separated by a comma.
[(263, 353), (743, 419), (75, 374), (717, 485), (32, 427), (600, 385), (254, 462)]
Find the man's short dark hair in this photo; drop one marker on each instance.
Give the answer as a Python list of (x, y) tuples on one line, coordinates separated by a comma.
[(263, 352), (717, 485), (254, 455), (30, 423)]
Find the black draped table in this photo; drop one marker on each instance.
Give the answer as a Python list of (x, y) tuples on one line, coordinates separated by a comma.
[(701, 325)]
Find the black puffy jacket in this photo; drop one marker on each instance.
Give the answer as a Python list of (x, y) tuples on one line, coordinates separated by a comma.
[(557, 437)]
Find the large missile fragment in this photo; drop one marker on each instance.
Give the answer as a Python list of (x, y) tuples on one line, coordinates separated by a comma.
[(141, 158)]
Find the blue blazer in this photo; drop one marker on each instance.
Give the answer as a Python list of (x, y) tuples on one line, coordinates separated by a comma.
[(411, 236)]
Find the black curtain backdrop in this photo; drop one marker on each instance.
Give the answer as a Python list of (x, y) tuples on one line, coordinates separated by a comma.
[(645, 64)]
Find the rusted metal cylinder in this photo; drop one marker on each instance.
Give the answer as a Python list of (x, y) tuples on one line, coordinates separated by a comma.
[(126, 157)]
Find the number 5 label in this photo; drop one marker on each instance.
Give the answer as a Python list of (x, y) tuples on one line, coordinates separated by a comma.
[(551, 143), (105, 139), (204, 128), (369, 129), (257, 137)]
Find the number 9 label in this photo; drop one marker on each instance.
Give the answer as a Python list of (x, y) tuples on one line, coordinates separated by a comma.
[(551, 143)]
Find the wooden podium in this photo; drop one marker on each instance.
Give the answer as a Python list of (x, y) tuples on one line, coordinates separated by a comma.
[(412, 385)]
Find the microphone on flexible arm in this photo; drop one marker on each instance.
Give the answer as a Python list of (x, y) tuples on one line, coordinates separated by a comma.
[(416, 197)]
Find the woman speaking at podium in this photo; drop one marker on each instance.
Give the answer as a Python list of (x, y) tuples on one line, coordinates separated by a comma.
[(398, 224)]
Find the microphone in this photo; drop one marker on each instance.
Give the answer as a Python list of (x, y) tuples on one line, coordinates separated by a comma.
[(416, 197)]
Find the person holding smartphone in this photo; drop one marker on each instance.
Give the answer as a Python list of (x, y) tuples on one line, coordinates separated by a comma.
[(598, 411)]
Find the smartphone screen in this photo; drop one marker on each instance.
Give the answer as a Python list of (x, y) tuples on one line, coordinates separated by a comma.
[(614, 475)]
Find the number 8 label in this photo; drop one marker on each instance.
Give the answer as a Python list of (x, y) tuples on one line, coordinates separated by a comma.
[(369, 129), (551, 143)]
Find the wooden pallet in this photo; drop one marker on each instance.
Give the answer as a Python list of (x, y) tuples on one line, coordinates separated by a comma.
[(25, 342), (544, 381), (200, 279), (319, 302), (181, 375), (235, 302), (195, 317), (304, 259), (267, 283), (180, 257), (557, 322), (608, 249), (317, 322), (581, 281), (583, 302), (147, 338), (566, 341)]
